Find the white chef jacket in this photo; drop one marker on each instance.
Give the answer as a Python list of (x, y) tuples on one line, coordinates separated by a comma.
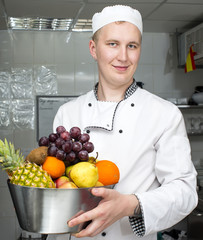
[(145, 136)]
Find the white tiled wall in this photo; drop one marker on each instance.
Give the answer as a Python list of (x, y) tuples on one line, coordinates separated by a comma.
[(77, 73)]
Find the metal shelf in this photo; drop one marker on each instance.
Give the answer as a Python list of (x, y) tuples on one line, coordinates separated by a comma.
[(190, 106), (194, 134)]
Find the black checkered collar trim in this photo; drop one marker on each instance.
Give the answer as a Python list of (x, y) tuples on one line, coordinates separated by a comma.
[(131, 89)]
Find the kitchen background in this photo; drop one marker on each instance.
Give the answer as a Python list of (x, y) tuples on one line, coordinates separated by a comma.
[(59, 63)]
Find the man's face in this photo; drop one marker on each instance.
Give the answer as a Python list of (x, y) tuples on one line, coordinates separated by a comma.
[(117, 52)]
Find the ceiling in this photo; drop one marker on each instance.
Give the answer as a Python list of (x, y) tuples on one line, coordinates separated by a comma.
[(158, 15)]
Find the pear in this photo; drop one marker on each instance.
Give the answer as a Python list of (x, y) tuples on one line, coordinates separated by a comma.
[(99, 184), (84, 174), (93, 159), (68, 169)]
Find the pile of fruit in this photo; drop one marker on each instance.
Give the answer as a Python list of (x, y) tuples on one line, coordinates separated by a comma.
[(61, 161)]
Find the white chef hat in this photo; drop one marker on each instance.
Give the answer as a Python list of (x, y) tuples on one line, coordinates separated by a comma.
[(116, 13)]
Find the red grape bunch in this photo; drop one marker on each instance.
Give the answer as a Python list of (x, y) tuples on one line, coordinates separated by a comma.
[(70, 146)]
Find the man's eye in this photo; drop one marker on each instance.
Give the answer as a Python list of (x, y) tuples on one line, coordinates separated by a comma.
[(112, 44), (132, 46)]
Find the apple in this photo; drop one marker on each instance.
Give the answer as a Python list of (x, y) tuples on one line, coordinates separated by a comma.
[(61, 180), (68, 185)]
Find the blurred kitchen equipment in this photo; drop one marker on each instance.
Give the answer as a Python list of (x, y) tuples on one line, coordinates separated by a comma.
[(182, 101), (198, 97), (47, 210), (195, 124), (195, 219), (198, 89), (195, 225), (191, 128), (31, 236)]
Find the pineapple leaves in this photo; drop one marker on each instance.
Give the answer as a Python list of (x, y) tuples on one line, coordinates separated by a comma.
[(10, 158)]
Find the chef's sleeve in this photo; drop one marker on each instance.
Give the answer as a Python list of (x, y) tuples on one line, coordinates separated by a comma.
[(176, 197)]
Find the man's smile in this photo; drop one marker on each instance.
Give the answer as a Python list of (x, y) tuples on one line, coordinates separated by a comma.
[(121, 68)]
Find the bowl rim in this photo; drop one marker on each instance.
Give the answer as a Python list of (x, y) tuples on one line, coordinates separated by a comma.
[(49, 189)]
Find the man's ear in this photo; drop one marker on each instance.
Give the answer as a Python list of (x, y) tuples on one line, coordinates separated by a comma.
[(92, 47)]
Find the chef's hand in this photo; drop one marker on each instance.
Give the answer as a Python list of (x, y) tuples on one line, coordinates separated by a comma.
[(111, 208)]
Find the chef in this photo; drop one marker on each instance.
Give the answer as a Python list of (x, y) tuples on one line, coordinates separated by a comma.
[(142, 133)]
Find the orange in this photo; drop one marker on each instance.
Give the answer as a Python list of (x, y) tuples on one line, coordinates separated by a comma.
[(54, 166), (108, 172)]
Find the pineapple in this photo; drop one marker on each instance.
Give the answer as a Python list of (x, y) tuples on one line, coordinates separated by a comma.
[(22, 172)]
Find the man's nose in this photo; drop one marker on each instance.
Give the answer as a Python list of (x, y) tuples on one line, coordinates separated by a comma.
[(122, 54)]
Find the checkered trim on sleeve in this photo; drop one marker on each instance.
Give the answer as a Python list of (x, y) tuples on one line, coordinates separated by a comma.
[(137, 224)]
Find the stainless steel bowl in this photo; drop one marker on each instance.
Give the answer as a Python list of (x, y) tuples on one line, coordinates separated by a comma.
[(47, 210)]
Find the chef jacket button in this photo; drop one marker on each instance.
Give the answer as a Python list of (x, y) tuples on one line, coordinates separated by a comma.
[(88, 131), (89, 104), (132, 104), (103, 234), (120, 131)]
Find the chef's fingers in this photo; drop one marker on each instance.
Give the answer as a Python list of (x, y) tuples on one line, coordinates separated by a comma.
[(91, 230), (85, 217), (105, 193)]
